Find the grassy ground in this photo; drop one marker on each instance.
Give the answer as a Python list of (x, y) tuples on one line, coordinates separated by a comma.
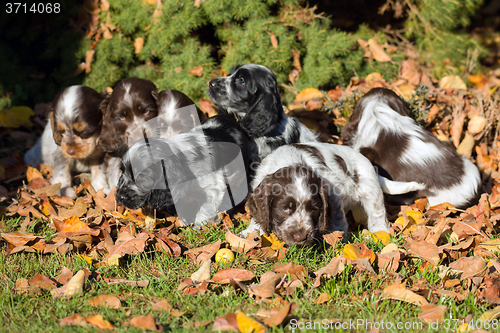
[(354, 294)]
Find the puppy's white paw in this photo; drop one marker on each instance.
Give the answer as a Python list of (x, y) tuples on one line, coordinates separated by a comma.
[(68, 191)]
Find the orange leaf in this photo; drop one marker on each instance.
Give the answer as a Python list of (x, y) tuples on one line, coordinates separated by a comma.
[(99, 322), (74, 226), (203, 253), (33, 173), (197, 71), (146, 323), (308, 94), (295, 271), (432, 313), (138, 44), (274, 40)]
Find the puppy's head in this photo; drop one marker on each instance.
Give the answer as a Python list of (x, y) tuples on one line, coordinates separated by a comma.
[(131, 104), (142, 181), (76, 117), (250, 91), (292, 203), (177, 114), (384, 95)]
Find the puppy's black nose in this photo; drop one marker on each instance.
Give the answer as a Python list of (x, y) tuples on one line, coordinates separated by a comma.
[(214, 83)]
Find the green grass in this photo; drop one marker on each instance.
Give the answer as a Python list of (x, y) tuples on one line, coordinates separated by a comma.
[(355, 295)]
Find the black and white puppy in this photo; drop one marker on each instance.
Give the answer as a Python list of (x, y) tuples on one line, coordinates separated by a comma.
[(68, 143), (251, 93), (302, 191), (190, 170), (382, 130)]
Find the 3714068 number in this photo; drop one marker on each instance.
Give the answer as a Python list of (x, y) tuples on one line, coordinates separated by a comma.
[(35, 8)]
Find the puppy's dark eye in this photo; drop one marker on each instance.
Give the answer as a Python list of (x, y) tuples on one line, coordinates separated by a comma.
[(286, 209), (122, 116), (240, 80), (146, 111)]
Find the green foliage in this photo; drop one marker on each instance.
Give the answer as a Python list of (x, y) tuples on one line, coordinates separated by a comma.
[(435, 27), (181, 35)]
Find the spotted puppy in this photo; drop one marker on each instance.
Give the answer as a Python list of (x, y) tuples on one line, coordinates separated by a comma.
[(251, 93), (68, 143), (381, 129), (302, 191)]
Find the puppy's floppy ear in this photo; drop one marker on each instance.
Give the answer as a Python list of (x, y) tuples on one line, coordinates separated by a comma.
[(263, 114), (351, 128), (105, 94), (259, 203), (56, 134), (154, 93), (328, 210)]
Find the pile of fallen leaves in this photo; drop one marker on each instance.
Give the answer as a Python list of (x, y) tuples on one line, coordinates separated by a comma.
[(462, 245)]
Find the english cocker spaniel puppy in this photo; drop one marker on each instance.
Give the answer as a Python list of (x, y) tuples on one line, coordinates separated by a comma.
[(381, 129), (68, 143), (251, 93), (201, 172), (302, 191)]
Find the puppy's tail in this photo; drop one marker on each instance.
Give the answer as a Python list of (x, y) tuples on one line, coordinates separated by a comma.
[(394, 188)]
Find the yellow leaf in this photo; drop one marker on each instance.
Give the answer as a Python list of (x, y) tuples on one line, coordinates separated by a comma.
[(476, 124), (308, 94), (372, 77), (490, 314), (88, 260), (248, 325), (407, 90), (16, 117), (382, 236), (272, 241), (114, 260), (351, 251), (452, 81), (465, 147)]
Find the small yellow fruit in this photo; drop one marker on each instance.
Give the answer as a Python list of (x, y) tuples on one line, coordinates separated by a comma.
[(224, 256)]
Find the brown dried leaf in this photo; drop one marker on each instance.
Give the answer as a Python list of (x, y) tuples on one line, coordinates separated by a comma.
[(295, 271), (147, 322), (432, 313), (426, 251), (335, 267), (400, 293), (221, 324), (469, 266), (73, 287), (128, 244), (239, 244), (43, 282), (107, 203), (64, 276), (161, 305), (108, 301), (377, 51), (266, 289), (274, 40), (323, 298), (238, 274), (18, 238), (203, 253), (74, 320), (78, 210)]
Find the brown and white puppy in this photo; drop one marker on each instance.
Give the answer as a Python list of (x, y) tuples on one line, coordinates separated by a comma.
[(68, 143), (132, 103), (302, 191), (381, 129)]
